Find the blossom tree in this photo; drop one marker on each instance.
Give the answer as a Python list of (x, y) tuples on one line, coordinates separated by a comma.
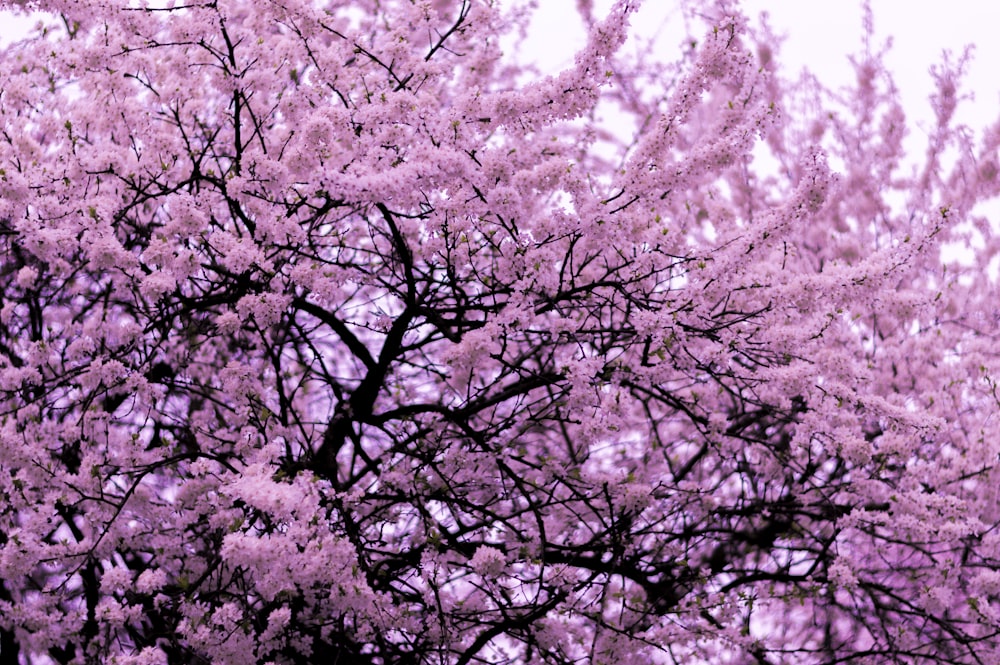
[(330, 334)]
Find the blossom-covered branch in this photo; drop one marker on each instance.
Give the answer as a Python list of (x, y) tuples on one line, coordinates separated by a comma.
[(330, 335)]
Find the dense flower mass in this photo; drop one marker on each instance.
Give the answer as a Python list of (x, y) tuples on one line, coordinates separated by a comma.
[(329, 334)]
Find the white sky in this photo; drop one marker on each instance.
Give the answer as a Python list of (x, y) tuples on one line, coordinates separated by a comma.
[(13, 27), (820, 36)]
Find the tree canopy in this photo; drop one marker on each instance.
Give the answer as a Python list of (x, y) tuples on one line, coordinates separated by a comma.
[(330, 333)]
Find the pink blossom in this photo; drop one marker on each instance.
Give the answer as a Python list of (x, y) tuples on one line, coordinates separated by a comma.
[(330, 333)]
